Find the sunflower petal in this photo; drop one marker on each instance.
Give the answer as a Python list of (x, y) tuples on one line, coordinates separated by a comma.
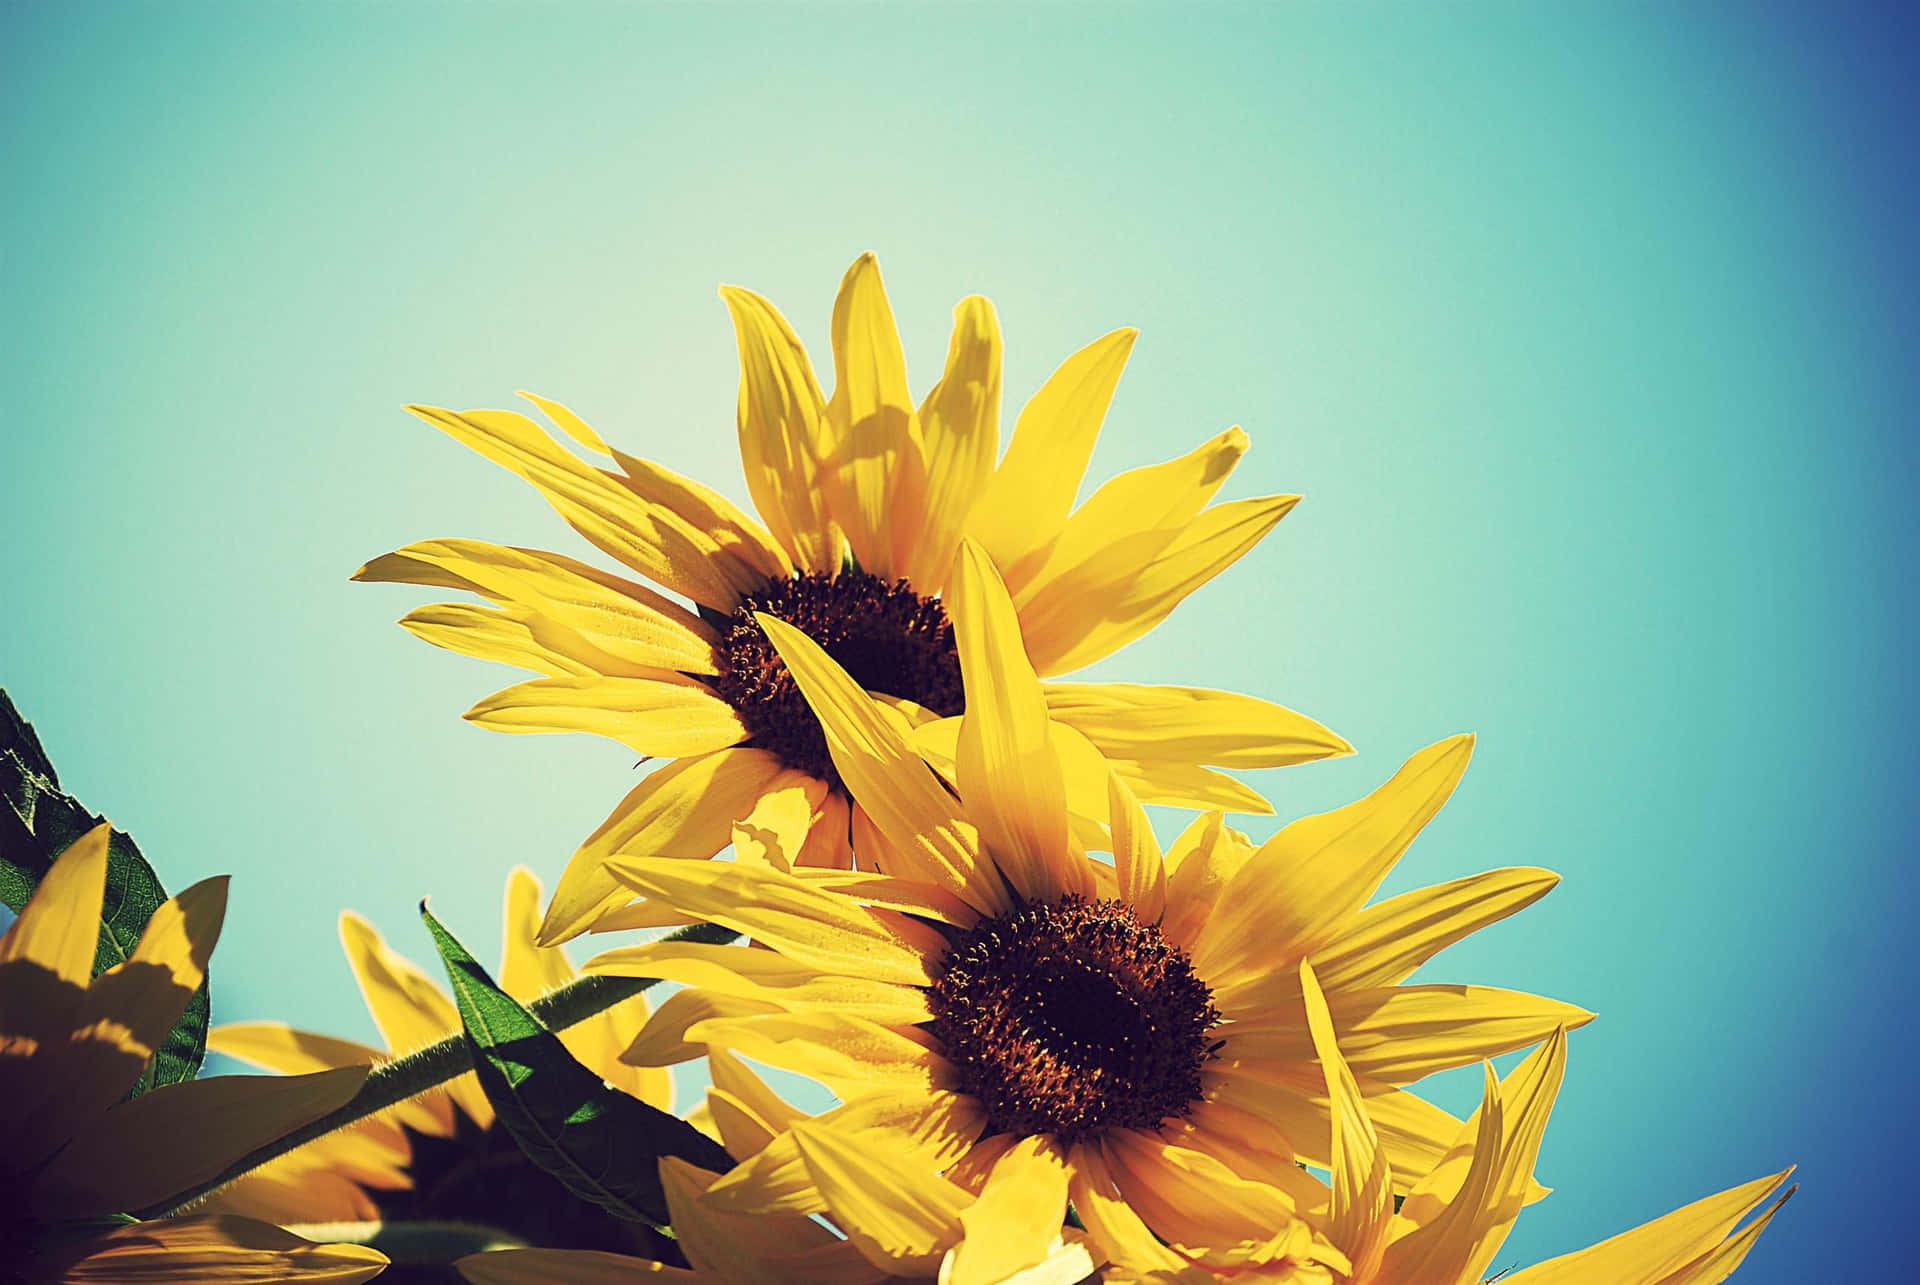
[(568, 1267), (1464, 1236), (686, 808), (716, 517), (873, 420), (651, 539), (1284, 902), (665, 719), (765, 975), (1362, 1205), (1016, 1222), (729, 1247), (614, 624), (1027, 501), (1160, 498), (1384, 943), (59, 927), (850, 1055), (1111, 1223), (1667, 1250), (808, 926), (782, 433), (1132, 585), (1010, 776), (1137, 864), (960, 433), (890, 782), (503, 635), (1399, 1034), (221, 1250), (1190, 724), (163, 1142), (899, 1215)]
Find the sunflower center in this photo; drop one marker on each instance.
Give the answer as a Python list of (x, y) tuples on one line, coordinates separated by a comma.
[(1073, 1017), (886, 636)]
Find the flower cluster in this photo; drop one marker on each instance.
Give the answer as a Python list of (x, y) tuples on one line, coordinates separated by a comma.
[(907, 860)]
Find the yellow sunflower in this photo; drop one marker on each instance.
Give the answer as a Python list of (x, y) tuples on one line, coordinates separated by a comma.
[(328, 1179), (72, 1045), (1136, 1030), (886, 1218), (1455, 1219), (865, 497)]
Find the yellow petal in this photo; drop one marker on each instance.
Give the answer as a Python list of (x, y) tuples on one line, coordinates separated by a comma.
[(934, 1127), (133, 1006), (1010, 778), (889, 781), (900, 1216), (1199, 865), (872, 416), (1362, 1204), (1111, 1223), (164, 1141), (651, 539), (1027, 501), (1190, 724), (569, 1267), (1399, 1034), (410, 1011), (1016, 1222), (1284, 902), (527, 969), (1189, 1197), (664, 1041), (736, 535), (59, 927), (504, 635), (775, 832), (1137, 863), (748, 1113), (665, 719), (1187, 785), (216, 1251), (1160, 498), (1463, 1238), (1666, 1251), (1385, 942), (732, 1247), (782, 436), (573, 610), (960, 434), (918, 899), (806, 925), (275, 1046), (765, 975), (684, 809), (850, 1055), (1130, 586)]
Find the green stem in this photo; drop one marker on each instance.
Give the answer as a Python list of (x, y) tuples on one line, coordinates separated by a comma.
[(392, 1083)]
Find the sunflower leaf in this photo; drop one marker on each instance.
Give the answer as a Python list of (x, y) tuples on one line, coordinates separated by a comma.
[(602, 1144), (37, 822)]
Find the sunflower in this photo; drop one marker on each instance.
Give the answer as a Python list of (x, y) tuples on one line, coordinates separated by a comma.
[(1454, 1220), (72, 1152), (333, 1178), (865, 497), (885, 1217), (1136, 1031)]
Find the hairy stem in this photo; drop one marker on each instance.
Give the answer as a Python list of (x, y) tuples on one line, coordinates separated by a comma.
[(392, 1083)]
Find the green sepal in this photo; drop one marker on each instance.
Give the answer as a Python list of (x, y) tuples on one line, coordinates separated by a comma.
[(604, 1145), (37, 824)]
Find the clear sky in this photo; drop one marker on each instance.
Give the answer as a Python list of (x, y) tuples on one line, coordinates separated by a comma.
[(1587, 331)]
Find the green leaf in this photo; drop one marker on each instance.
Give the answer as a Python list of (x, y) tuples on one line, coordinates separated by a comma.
[(603, 1144), (37, 823)]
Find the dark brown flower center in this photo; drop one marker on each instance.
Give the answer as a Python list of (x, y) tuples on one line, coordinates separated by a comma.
[(1072, 1017), (886, 636)]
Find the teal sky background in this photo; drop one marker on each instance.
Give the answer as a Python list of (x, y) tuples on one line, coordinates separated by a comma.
[(1587, 331)]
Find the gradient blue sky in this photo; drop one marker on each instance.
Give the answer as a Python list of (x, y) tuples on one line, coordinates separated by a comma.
[(1588, 332)]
